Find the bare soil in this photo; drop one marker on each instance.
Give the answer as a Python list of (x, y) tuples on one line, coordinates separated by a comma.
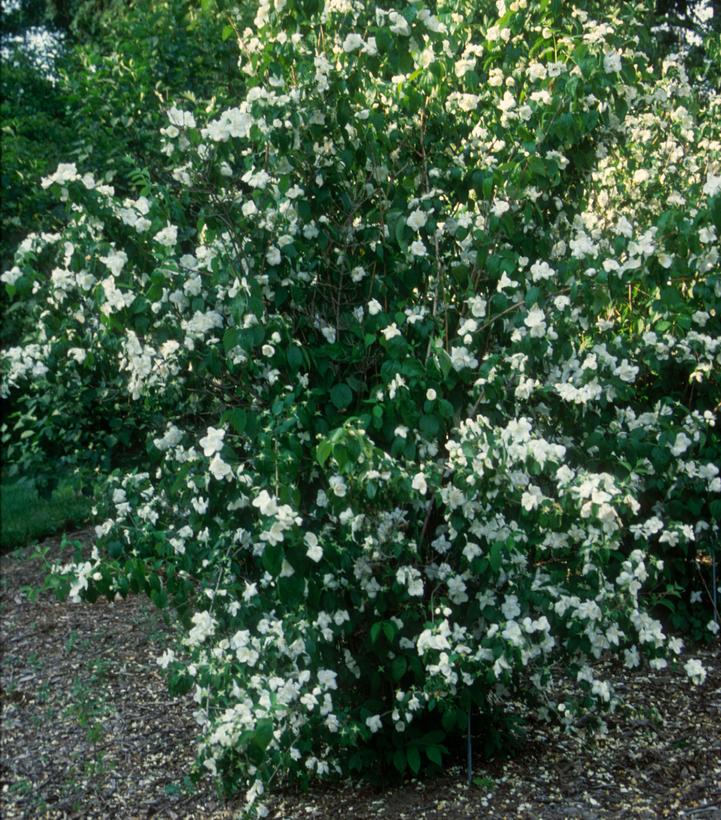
[(89, 730)]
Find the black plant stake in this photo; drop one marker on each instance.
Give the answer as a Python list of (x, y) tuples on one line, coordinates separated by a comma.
[(714, 586), (469, 748)]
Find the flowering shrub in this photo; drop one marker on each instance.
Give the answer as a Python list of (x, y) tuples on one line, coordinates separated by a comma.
[(427, 342)]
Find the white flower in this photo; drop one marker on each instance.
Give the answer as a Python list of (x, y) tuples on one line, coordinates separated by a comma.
[(531, 498), (212, 442), (564, 474), (66, 172), (457, 590), (478, 306), (272, 257), (713, 627), (510, 607), (707, 235), (181, 119), (374, 723), (257, 179), (410, 578), (250, 591), (399, 25), (168, 236), (419, 483), (512, 633), (266, 503), (713, 184), (352, 42), (77, 354), (431, 394), (219, 468), (612, 62), (338, 485), (417, 219), (418, 248), (500, 206), (695, 670), (626, 372), (461, 357), (508, 103), (115, 261), (506, 282), (327, 678), (471, 551), (200, 505), (631, 658), (314, 551), (391, 332), (681, 444), (536, 322), (374, 307), (541, 270), (536, 71), (468, 102), (704, 12), (10, 277), (204, 627), (370, 47)]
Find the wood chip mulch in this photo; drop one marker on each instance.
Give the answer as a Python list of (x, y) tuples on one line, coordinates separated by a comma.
[(89, 730)]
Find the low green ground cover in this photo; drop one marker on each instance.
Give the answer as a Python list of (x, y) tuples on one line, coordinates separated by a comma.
[(25, 516)]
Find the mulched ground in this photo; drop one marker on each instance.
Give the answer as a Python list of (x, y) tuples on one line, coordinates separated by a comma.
[(88, 730)]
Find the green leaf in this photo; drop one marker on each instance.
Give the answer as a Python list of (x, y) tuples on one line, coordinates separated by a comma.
[(304, 210), (399, 760), (429, 426), (400, 234), (341, 396), (448, 721), (292, 589), (398, 668), (263, 734), (413, 757), (160, 598), (434, 755), (237, 419), (495, 556), (272, 559), (115, 549), (323, 451), (295, 358)]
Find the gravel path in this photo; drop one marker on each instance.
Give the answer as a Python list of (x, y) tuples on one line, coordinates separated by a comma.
[(89, 730)]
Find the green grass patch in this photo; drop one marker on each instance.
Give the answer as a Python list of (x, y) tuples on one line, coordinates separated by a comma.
[(26, 517)]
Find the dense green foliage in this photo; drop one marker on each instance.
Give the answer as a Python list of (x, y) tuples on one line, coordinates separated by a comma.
[(409, 332), (104, 99), (27, 517)]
